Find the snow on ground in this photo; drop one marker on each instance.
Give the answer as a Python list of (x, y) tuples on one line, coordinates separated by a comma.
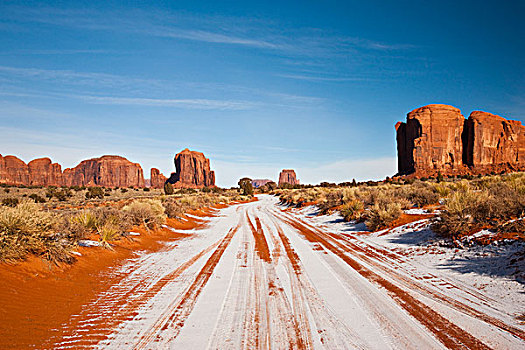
[(261, 275)]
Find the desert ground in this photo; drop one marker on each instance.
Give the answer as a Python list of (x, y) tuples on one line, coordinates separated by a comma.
[(262, 275)]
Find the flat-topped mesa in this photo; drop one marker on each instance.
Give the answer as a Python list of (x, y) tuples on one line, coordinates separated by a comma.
[(192, 170), (157, 179), (494, 144), (260, 182), (437, 139), (108, 171), (287, 176)]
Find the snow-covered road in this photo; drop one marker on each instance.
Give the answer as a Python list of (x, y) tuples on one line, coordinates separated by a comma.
[(259, 276)]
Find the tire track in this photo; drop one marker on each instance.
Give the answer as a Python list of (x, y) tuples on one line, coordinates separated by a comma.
[(179, 311), (447, 332)]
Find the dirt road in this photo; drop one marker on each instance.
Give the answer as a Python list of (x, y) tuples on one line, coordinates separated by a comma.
[(259, 277)]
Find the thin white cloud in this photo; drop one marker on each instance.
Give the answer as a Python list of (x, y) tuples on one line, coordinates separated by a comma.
[(182, 103), (322, 78)]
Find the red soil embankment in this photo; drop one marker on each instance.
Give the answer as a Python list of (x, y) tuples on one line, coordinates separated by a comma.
[(37, 297)]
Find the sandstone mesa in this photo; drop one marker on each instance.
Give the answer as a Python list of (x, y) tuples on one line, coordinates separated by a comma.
[(438, 139)]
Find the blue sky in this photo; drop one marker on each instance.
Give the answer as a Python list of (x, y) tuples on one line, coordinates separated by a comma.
[(314, 86)]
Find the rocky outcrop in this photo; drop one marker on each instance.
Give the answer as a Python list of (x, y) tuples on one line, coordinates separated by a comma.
[(494, 144), (260, 182), (192, 170), (157, 179), (108, 171), (13, 171), (287, 176), (43, 172), (437, 139), (430, 140)]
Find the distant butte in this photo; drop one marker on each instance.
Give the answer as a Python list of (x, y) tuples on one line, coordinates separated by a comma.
[(288, 176), (192, 170)]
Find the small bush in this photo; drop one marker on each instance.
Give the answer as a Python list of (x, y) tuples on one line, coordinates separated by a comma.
[(27, 229), (168, 188), (37, 198), (10, 202), (7, 190), (95, 192), (148, 212), (382, 216), (352, 211)]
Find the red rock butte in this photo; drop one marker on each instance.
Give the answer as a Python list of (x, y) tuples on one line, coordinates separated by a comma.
[(192, 170), (287, 176), (157, 179), (108, 171), (438, 139)]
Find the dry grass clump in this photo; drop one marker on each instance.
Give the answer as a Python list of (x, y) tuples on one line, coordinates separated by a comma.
[(496, 203), (27, 229), (148, 212), (382, 215), (352, 210)]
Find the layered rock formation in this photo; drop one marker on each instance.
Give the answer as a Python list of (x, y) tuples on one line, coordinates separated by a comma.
[(494, 144), (42, 172), (287, 176), (157, 179), (39, 172), (109, 171), (192, 170), (260, 182), (437, 139)]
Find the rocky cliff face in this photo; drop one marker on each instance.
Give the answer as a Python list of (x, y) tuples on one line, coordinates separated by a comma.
[(42, 172), (287, 176), (13, 171), (494, 144), (38, 172), (157, 179), (108, 171), (437, 139), (430, 140), (192, 170)]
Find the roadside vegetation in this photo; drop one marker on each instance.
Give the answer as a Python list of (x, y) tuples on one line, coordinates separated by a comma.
[(461, 206), (51, 222)]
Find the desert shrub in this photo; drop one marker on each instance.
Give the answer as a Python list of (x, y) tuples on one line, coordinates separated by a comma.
[(37, 198), (10, 202), (421, 196), (50, 191), (380, 216), (108, 233), (352, 210), (168, 188), (456, 216), (95, 192), (332, 199), (7, 190), (173, 208), (62, 194), (146, 189), (87, 219), (148, 212), (27, 229), (123, 190)]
